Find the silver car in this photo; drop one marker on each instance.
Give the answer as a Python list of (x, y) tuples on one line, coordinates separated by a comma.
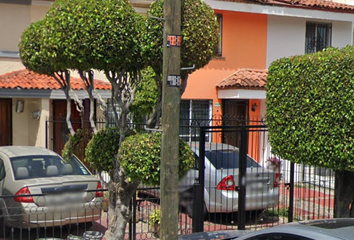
[(222, 181), (39, 189), (328, 229)]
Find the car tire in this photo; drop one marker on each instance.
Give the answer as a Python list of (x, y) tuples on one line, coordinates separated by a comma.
[(86, 225), (189, 209)]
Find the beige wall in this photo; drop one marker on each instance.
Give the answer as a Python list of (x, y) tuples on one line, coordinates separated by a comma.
[(14, 20), (26, 129), (10, 64)]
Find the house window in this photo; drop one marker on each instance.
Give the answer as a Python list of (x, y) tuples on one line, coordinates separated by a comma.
[(219, 47), (193, 114), (110, 119), (318, 36)]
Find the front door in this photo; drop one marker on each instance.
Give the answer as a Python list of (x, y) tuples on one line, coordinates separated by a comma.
[(234, 114), (5, 121), (61, 131)]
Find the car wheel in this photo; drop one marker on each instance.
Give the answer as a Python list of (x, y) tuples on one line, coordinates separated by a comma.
[(86, 225), (190, 206)]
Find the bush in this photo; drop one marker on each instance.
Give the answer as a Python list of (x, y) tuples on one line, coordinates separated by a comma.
[(310, 113), (101, 150), (139, 156)]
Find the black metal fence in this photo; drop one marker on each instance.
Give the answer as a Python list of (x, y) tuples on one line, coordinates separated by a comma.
[(268, 195), (67, 215)]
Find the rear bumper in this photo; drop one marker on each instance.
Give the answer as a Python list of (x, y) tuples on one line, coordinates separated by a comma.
[(33, 216), (227, 201)]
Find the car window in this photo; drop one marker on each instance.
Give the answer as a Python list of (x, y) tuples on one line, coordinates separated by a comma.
[(227, 159), (280, 236), (27, 167)]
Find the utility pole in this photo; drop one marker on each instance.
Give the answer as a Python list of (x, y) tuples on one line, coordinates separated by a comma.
[(170, 119)]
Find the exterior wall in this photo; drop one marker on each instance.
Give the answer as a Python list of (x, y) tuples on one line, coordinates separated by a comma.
[(342, 34), (11, 29), (20, 126), (27, 130), (243, 46), (286, 36), (10, 64)]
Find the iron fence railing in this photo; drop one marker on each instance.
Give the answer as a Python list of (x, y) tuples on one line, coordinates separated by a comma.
[(303, 192)]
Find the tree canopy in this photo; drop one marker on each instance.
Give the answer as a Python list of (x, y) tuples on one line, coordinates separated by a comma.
[(200, 33), (310, 112), (140, 157)]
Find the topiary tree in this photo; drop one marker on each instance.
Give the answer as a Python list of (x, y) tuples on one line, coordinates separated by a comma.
[(100, 152), (310, 115), (36, 57), (200, 33), (145, 97), (140, 157)]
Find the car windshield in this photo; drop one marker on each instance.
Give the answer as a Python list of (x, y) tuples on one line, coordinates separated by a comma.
[(26, 167), (227, 159)]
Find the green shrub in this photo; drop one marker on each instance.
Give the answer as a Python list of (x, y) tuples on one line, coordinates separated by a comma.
[(310, 113), (139, 156), (75, 143), (101, 150)]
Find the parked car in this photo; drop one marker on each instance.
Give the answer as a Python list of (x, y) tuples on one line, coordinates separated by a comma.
[(39, 189), (221, 181), (329, 229)]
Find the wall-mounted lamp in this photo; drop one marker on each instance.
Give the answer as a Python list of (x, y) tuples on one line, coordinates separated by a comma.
[(20, 105), (217, 105), (36, 114), (254, 107)]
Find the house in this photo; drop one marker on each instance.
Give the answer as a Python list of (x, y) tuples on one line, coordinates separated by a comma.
[(29, 100), (32, 106), (254, 33)]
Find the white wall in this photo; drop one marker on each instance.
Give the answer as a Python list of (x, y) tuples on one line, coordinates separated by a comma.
[(342, 34), (286, 36)]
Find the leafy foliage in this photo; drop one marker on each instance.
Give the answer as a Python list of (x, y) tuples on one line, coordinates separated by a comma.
[(310, 112), (101, 150), (140, 156), (200, 35), (74, 142), (145, 97), (32, 54), (84, 35)]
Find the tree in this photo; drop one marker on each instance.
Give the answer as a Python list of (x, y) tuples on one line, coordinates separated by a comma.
[(200, 33), (139, 158), (310, 115), (36, 58)]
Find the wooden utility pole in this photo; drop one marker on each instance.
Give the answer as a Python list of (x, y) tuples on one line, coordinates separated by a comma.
[(170, 119)]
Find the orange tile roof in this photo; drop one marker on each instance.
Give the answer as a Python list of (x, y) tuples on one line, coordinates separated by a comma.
[(308, 4), (245, 78), (26, 79)]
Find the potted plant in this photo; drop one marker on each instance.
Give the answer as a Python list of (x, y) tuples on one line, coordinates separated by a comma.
[(155, 220), (274, 163)]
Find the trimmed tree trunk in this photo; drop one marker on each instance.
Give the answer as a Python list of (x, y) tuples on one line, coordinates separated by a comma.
[(121, 192), (344, 194)]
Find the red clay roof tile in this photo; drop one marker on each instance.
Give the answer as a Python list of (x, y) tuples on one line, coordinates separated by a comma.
[(26, 79), (246, 79), (308, 4)]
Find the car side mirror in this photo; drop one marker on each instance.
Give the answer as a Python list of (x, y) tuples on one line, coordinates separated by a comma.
[(2, 170)]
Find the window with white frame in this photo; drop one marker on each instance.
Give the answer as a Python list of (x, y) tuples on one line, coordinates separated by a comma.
[(219, 47), (318, 36), (193, 114)]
